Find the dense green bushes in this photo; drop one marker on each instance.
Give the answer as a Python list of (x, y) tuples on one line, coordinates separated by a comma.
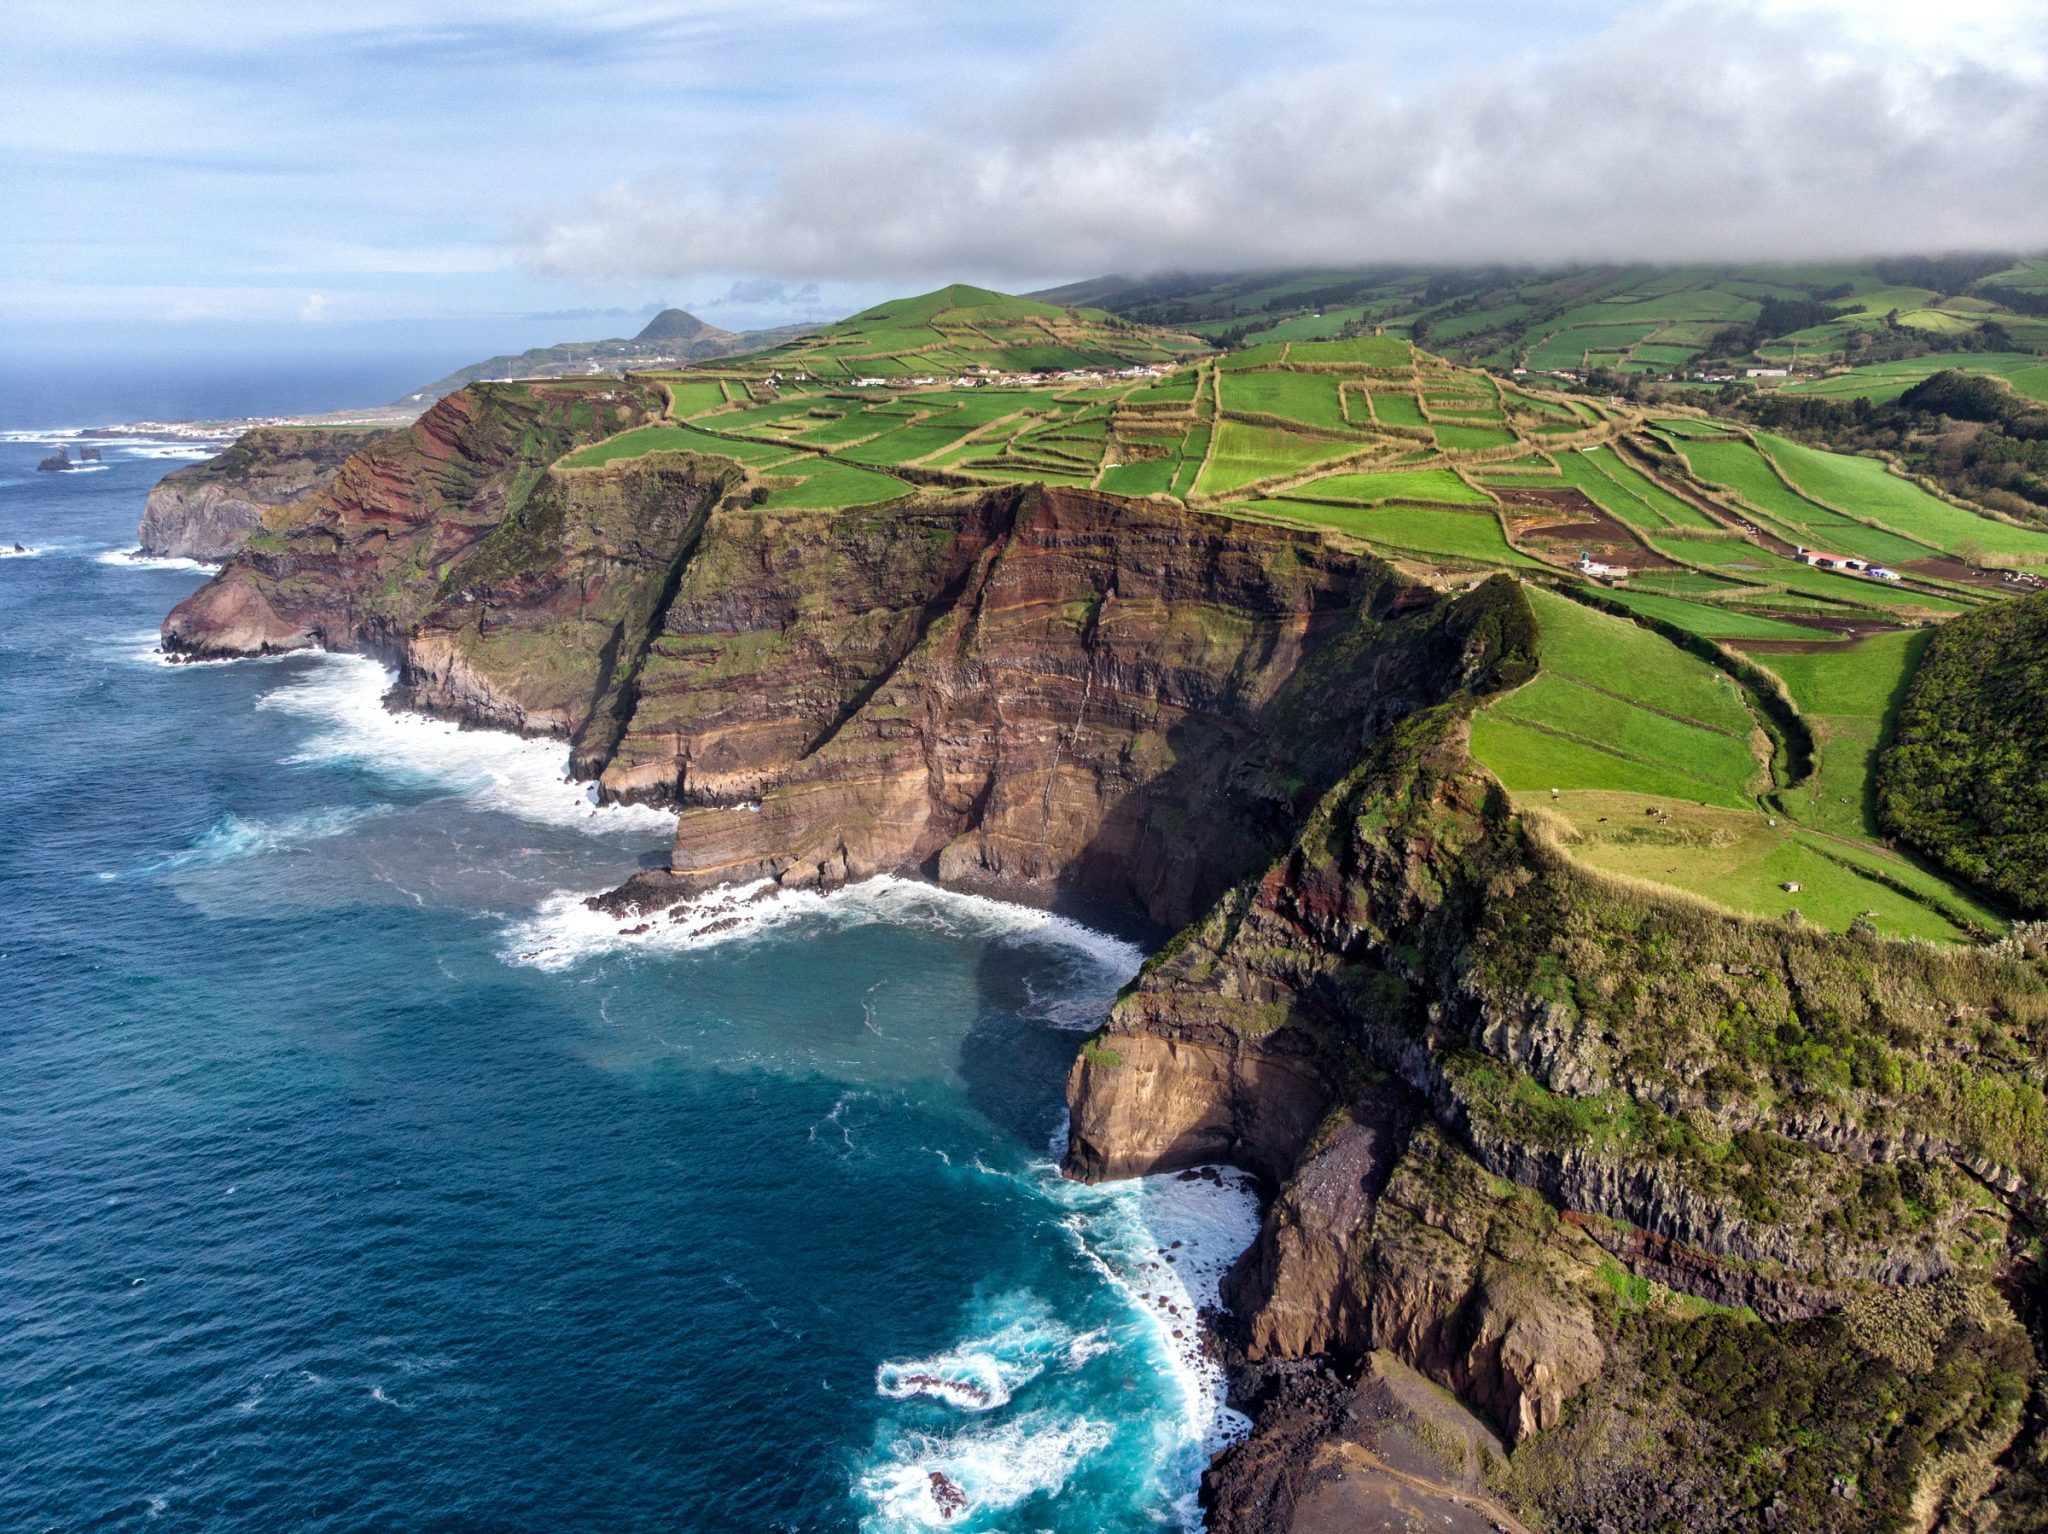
[(1962, 780)]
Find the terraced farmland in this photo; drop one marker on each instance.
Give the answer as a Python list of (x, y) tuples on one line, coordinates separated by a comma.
[(1709, 709)]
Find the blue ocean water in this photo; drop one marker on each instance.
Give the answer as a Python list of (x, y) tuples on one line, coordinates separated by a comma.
[(352, 1177)]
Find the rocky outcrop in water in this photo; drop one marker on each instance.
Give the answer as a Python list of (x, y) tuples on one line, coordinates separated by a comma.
[(208, 510)]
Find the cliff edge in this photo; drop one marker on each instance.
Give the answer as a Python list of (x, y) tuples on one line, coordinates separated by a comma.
[(208, 510)]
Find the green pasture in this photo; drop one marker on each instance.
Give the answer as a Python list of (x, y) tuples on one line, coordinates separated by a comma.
[(1883, 382), (1310, 398), (1626, 495), (832, 484), (1362, 351), (1434, 532), (1472, 439), (1430, 486), (1866, 487), (1242, 453), (1397, 407), (694, 396), (643, 440), (1710, 620), (1740, 467)]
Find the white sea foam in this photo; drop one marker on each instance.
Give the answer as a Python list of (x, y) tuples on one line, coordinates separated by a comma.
[(232, 838), (1165, 1242), (565, 930), (26, 551), (996, 1466), (493, 769), (50, 434), (166, 450), (135, 559), (148, 447), (984, 1372)]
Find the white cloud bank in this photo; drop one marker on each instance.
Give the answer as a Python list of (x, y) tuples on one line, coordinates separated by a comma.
[(1771, 129)]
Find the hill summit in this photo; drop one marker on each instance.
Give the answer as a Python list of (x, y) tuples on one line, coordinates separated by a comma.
[(957, 327), (681, 325)]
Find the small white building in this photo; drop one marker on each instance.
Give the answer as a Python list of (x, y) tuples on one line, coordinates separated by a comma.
[(1590, 566)]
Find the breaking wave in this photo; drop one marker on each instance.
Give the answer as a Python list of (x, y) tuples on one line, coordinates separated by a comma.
[(135, 559), (928, 1480), (566, 930), (983, 1373), (232, 837), (493, 769)]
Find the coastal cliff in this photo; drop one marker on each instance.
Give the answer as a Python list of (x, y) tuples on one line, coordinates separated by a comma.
[(1706, 1223), (1543, 1137), (208, 510)]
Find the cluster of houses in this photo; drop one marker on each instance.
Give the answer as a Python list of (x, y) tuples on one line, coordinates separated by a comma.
[(1844, 564), (980, 376)]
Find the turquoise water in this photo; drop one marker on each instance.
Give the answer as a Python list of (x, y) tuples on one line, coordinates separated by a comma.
[(355, 1178)]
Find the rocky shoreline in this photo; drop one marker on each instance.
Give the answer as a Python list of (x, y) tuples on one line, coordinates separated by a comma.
[(1491, 1094)]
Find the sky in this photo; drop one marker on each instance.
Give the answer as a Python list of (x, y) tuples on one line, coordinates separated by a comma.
[(473, 178)]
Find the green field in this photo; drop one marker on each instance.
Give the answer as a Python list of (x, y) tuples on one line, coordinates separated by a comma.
[(1432, 486), (1471, 439), (1848, 696), (1679, 427), (1866, 488), (1365, 351), (1654, 769), (1243, 453), (1431, 531), (1151, 476), (1739, 860), (1617, 708), (904, 444), (1626, 495), (1711, 620), (643, 440), (1397, 407), (830, 484), (1310, 398), (1883, 382), (694, 396), (1740, 467)]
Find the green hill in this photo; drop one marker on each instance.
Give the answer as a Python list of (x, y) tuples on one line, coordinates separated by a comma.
[(1818, 318), (955, 328), (673, 337)]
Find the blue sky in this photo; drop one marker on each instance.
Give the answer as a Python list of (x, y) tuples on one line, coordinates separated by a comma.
[(492, 176)]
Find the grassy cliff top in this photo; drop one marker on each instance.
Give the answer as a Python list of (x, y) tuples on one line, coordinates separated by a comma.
[(1714, 727)]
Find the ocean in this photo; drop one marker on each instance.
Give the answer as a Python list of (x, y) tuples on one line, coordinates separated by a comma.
[(355, 1178)]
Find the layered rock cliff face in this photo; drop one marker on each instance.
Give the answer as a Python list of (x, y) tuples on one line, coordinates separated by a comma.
[(507, 594), (1714, 1224), (1048, 691), (1538, 1134), (208, 510)]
